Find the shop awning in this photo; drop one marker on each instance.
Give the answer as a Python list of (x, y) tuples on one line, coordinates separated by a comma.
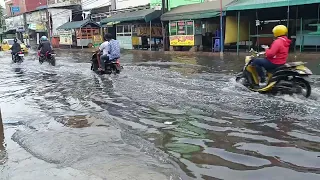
[(195, 11), (78, 24), (110, 24), (146, 15), (260, 4)]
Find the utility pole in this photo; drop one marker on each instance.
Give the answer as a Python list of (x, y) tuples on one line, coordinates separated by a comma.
[(26, 29), (48, 21), (221, 30), (164, 8)]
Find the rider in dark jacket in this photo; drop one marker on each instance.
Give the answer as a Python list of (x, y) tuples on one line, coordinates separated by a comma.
[(45, 45), (15, 48)]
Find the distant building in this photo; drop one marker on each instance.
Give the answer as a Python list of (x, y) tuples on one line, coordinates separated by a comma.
[(13, 5)]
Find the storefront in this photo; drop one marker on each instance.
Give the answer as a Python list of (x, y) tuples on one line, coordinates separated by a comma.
[(142, 33), (58, 17), (124, 35), (12, 24), (84, 33), (194, 27), (36, 25), (136, 29), (138, 36), (185, 33)]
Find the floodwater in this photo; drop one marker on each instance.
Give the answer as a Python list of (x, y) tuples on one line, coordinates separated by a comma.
[(163, 117)]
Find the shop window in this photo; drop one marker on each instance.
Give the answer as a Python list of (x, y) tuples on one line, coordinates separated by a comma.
[(119, 29), (124, 30), (127, 29), (189, 28), (181, 27), (173, 28)]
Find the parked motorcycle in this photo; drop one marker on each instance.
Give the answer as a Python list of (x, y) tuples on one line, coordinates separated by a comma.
[(111, 67), (18, 57), (47, 57), (291, 78)]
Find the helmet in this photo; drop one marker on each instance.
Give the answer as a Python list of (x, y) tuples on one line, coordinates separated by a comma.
[(44, 38), (15, 40), (280, 30)]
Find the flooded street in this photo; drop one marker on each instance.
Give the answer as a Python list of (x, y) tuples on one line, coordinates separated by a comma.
[(163, 117)]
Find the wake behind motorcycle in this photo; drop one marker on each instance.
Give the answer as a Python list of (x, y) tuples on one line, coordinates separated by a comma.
[(291, 78), (111, 67), (47, 57), (18, 57)]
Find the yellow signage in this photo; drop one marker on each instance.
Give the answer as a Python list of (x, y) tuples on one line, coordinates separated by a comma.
[(37, 27), (182, 40), (97, 39), (136, 41), (65, 37)]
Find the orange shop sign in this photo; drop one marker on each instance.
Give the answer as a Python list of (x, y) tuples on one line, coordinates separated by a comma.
[(182, 40)]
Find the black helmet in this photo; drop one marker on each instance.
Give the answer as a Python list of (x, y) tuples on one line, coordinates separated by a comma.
[(107, 36)]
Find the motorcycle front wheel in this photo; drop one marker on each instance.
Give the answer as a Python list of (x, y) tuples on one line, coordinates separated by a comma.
[(41, 60), (239, 76), (303, 87), (53, 61)]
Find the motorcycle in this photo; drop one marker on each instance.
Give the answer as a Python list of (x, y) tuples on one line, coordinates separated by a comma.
[(290, 78), (18, 57), (48, 57), (111, 67)]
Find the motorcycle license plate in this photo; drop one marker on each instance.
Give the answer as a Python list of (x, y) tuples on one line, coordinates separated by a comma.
[(21, 55)]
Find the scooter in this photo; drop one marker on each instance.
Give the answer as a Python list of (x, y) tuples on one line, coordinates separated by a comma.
[(291, 78), (18, 57), (48, 56), (111, 67)]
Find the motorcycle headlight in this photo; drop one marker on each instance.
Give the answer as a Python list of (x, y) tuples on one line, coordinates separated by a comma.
[(308, 71), (301, 72)]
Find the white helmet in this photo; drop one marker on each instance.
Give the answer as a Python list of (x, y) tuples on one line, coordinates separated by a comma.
[(43, 38)]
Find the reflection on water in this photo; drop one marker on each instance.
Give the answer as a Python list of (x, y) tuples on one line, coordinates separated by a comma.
[(216, 128)]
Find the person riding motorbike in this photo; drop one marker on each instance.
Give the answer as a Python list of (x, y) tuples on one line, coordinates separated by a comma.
[(110, 50), (15, 48), (44, 46), (276, 55)]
